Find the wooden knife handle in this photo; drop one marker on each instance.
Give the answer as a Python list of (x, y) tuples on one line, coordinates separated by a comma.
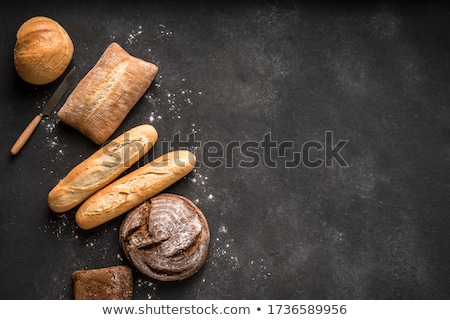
[(26, 134)]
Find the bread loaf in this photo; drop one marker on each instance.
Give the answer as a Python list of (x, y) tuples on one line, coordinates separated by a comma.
[(104, 97), (166, 237), (43, 50), (110, 283), (134, 188), (102, 168)]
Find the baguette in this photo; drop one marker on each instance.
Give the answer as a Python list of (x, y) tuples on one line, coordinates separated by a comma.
[(134, 188), (102, 167), (108, 92)]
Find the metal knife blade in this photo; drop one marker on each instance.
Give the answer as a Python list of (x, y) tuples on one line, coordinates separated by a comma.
[(46, 111), (62, 88)]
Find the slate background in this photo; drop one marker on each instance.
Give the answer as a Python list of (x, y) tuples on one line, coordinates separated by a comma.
[(375, 74)]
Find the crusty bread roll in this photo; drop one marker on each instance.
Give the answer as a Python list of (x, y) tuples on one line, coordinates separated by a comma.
[(134, 188), (104, 97), (43, 50), (166, 237), (102, 167)]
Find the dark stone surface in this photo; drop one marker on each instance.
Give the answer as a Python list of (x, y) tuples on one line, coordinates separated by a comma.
[(375, 75)]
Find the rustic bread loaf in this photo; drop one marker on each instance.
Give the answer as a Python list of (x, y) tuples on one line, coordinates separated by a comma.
[(104, 97), (166, 237)]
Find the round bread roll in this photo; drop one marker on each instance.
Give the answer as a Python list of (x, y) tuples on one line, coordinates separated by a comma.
[(166, 237), (43, 50)]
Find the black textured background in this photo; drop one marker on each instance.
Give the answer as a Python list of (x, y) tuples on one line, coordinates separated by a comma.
[(375, 74)]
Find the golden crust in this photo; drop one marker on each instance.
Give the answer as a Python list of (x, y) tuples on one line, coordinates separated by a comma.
[(43, 50), (134, 188), (102, 167)]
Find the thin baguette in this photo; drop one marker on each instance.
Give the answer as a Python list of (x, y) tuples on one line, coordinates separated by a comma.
[(101, 168), (134, 188)]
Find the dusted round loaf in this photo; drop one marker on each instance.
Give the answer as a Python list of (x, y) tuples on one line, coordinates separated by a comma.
[(166, 237), (43, 50)]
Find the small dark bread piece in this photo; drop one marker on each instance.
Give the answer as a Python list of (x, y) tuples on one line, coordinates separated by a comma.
[(166, 237), (112, 283)]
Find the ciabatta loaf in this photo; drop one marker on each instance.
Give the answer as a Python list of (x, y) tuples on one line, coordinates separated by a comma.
[(104, 97), (134, 188), (101, 168)]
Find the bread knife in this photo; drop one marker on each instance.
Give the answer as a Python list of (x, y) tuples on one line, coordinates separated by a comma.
[(46, 111)]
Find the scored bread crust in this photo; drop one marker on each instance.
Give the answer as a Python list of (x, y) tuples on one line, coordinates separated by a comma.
[(102, 167), (104, 97), (166, 237), (43, 50), (134, 188)]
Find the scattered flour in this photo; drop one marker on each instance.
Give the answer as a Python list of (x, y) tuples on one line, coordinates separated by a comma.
[(174, 102), (52, 139), (201, 181), (149, 286), (163, 32), (223, 251), (58, 225), (261, 268), (134, 35), (222, 229)]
